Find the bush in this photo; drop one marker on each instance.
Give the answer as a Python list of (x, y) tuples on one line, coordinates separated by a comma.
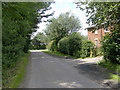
[(71, 45), (63, 45), (87, 48), (111, 47), (19, 21), (75, 44), (99, 51), (53, 46)]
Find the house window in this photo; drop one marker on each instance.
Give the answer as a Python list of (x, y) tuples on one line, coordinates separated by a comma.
[(106, 29), (96, 31)]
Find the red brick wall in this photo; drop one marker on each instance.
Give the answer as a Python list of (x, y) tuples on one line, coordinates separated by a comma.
[(92, 35)]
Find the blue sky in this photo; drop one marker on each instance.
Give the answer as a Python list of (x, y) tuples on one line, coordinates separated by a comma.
[(62, 6)]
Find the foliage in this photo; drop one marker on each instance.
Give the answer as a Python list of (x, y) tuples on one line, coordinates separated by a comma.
[(75, 43), (112, 44), (100, 12), (63, 45), (115, 77), (41, 37), (99, 51), (110, 66), (107, 13), (62, 26), (71, 45), (60, 33), (36, 44), (53, 46), (12, 77), (19, 21), (39, 41), (87, 48)]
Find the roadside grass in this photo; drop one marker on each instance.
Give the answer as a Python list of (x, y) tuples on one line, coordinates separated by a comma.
[(115, 68), (115, 77), (17, 73), (59, 54), (64, 55)]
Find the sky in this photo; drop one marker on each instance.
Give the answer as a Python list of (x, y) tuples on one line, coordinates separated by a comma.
[(62, 6)]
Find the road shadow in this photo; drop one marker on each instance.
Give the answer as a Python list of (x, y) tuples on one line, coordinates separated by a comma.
[(95, 73), (93, 70)]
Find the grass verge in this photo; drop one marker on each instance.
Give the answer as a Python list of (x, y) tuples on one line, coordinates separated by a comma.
[(115, 68), (17, 73), (59, 54), (115, 77)]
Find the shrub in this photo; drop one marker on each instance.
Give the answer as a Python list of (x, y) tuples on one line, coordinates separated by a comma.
[(87, 48), (99, 51), (53, 46), (75, 44), (111, 47), (71, 45), (63, 45)]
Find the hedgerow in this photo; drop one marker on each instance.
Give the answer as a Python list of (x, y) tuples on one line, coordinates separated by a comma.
[(111, 47), (71, 45), (87, 48), (53, 46)]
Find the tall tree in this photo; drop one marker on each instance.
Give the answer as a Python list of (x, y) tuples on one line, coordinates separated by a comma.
[(39, 41), (62, 26), (41, 37), (19, 21)]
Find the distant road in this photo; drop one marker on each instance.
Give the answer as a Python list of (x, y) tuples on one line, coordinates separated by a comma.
[(45, 71)]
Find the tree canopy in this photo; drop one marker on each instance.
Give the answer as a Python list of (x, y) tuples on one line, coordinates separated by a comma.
[(39, 41), (101, 12), (19, 21), (62, 26), (41, 37)]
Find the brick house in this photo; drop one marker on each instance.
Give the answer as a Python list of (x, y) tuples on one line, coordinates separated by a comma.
[(96, 34)]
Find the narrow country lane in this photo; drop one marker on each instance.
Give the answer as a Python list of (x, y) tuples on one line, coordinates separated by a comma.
[(45, 71)]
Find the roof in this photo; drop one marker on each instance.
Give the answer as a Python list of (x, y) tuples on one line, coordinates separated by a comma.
[(92, 26)]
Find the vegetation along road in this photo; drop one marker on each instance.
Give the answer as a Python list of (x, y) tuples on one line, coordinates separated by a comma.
[(45, 71)]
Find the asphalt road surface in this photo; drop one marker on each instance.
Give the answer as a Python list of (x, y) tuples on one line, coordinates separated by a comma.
[(45, 71)]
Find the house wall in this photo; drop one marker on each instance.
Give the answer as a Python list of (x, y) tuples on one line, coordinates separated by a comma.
[(92, 36)]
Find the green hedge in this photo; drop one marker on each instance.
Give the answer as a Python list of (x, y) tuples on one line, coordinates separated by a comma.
[(63, 45), (111, 47), (71, 45), (19, 21), (75, 44), (87, 48), (53, 46)]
